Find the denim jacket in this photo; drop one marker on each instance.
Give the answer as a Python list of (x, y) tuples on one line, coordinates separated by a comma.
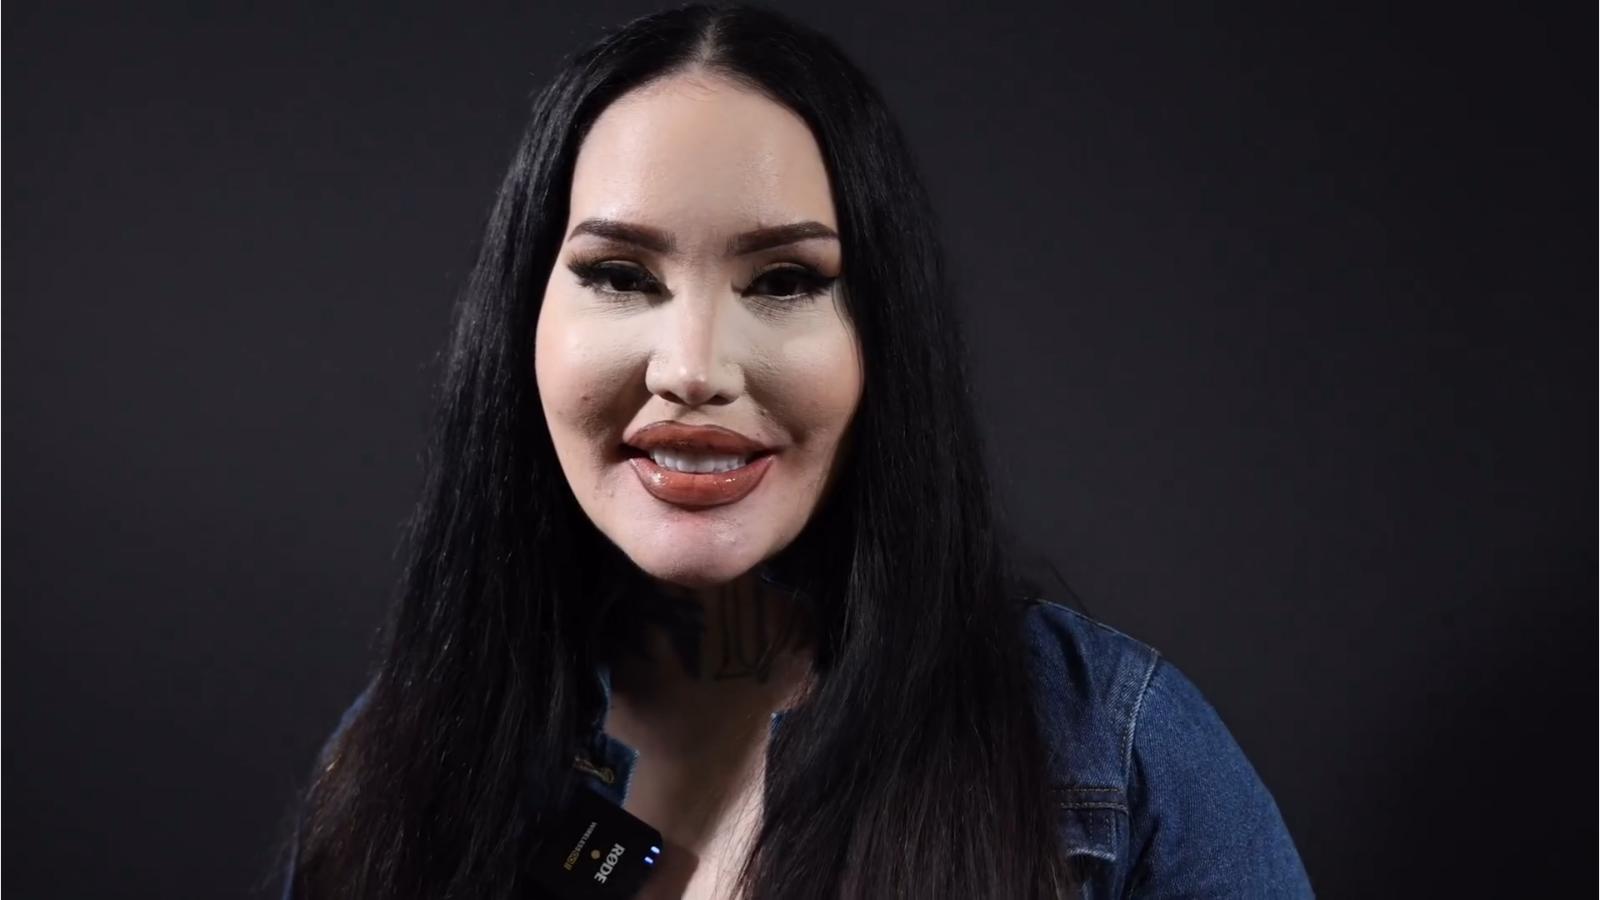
[(1155, 797)]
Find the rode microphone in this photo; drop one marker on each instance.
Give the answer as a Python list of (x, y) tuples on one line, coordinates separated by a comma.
[(596, 851)]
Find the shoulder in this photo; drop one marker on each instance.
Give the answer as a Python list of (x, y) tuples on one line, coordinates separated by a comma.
[(1089, 680), (331, 745), (1155, 794), (327, 755)]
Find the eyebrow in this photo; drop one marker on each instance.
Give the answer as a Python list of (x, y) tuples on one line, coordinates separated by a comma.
[(660, 241)]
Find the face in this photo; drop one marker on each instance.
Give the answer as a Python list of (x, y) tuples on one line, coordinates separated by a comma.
[(697, 371)]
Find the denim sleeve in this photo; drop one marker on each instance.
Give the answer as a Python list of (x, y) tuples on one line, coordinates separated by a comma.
[(1202, 822)]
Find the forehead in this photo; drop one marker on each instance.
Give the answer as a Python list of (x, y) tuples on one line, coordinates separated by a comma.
[(702, 158)]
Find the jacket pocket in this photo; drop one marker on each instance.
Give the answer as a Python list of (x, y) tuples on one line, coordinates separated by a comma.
[(1093, 821)]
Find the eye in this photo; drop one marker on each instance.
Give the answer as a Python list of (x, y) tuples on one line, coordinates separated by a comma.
[(614, 278), (791, 283)]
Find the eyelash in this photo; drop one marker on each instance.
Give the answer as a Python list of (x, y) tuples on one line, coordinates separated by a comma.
[(594, 275)]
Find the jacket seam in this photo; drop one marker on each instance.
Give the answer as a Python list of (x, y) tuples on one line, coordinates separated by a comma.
[(1133, 720), (1069, 797), (1138, 869), (1090, 804)]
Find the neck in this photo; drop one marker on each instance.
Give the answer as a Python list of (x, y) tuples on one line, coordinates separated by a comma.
[(746, 638)]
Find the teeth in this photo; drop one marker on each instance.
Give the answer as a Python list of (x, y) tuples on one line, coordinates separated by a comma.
[(701, 463)]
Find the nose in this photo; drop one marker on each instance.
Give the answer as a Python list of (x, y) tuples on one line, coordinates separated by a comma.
[(691, 363)]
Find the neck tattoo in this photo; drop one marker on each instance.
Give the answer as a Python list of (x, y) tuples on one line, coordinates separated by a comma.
[(747, 648), (739, 618)]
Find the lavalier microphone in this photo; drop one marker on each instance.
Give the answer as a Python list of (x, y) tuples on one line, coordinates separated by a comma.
[(596, 851)]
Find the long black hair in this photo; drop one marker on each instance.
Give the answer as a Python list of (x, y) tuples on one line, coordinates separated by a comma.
[(913, 768)]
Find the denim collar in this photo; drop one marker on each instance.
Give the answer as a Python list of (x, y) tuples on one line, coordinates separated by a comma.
[(608, 763)]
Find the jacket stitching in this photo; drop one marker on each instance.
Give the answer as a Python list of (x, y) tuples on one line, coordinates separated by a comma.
[(1096, 795), (1141, 868), (1089, 798), (1133, 720)]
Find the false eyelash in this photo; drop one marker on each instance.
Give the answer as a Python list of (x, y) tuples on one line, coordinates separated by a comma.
[(812, 283), (594, 275)]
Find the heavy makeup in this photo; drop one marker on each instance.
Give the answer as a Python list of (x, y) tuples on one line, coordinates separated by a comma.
[(693, 323), (698, 374)]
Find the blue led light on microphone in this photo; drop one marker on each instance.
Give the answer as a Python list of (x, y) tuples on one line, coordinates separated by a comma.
[(596, 851)]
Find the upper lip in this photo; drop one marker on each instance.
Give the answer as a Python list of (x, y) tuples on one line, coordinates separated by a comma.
[(703, 438)]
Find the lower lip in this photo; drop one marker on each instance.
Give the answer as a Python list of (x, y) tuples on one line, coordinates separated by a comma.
[(700, 489)]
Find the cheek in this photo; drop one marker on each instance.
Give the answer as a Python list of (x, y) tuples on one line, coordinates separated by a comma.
[(818, 387), (583, 369)]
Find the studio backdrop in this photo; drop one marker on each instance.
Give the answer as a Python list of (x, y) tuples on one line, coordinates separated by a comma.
[(1281, 323)]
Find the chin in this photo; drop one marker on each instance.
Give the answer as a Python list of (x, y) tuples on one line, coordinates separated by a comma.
[(693, 567)]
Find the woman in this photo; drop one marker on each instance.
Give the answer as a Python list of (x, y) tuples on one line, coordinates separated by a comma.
[(706, 536)]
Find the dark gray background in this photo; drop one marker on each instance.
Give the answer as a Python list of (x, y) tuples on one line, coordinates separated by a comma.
[(1282, 322)]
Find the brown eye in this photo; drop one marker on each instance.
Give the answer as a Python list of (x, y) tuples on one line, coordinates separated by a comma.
[(793, 283), (614, 278)]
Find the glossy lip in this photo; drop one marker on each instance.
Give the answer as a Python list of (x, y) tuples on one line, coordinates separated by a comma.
[(697, 490), (703, 438)]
